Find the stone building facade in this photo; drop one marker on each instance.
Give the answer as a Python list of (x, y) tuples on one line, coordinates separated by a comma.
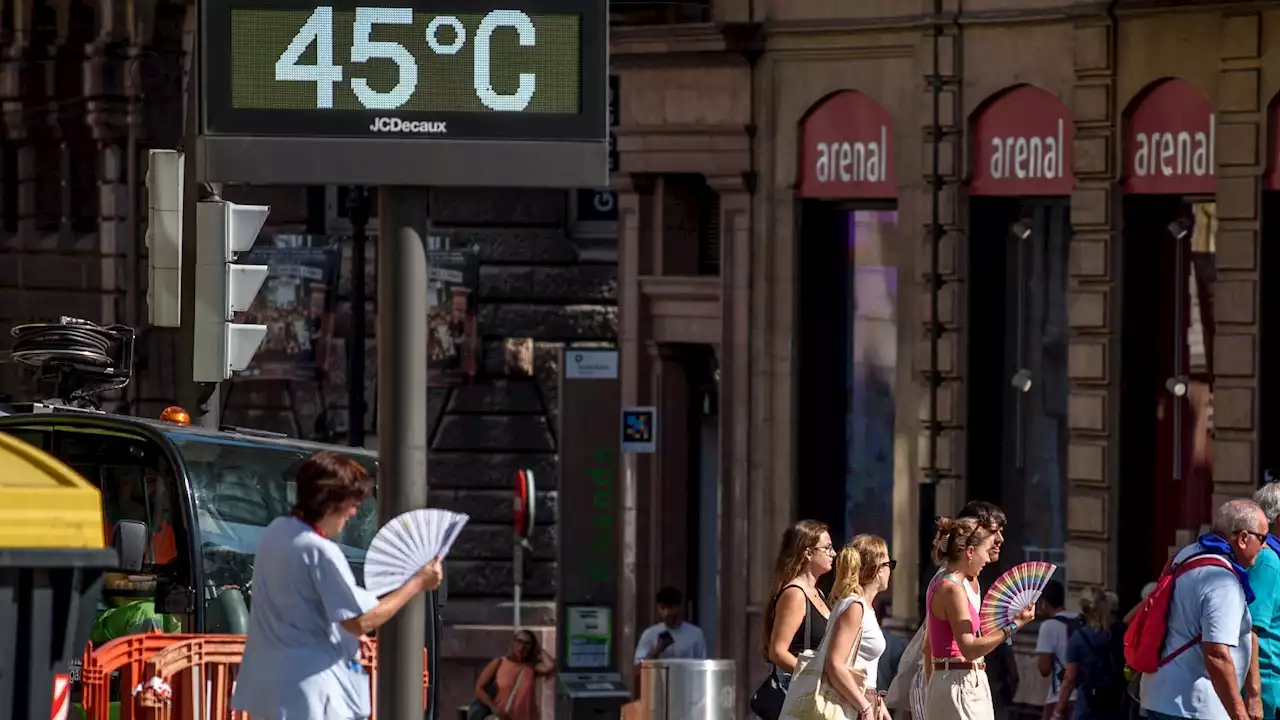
[(1091, 182)]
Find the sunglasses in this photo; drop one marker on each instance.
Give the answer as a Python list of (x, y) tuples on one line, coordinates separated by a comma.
[(891, 564), (1261, 537)]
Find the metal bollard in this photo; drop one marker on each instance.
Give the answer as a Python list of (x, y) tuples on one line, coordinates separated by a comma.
[(688, 690)]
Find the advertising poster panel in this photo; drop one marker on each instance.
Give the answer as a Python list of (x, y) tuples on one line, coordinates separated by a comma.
[(453, 343), (296, 304)]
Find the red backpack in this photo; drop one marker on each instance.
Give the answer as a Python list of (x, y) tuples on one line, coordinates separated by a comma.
[(1144, 638)]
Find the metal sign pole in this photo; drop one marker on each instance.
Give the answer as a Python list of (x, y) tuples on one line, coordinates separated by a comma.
[(402, 424), (517, 561)]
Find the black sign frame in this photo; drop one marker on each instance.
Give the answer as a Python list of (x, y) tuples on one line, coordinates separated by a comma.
[(336, 146)]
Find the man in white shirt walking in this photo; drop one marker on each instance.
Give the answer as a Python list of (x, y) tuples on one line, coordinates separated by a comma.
[(673, 637), (1209, 643)]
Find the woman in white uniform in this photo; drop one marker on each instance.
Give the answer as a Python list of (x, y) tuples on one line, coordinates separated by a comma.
[(308, 615)]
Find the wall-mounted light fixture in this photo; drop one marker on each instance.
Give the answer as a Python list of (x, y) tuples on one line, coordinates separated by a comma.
[(1177, 386), (1179, 229), (1021, 230), (1021, 380)]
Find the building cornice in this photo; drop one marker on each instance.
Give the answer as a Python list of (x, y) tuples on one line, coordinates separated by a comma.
[(1073, 11), (678, 44)]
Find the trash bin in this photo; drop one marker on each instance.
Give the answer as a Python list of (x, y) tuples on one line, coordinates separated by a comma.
[(52, 561), (688, 690), (590, 696)]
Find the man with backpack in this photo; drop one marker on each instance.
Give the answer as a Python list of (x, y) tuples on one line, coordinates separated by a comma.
[(1051, 644), (1095, 662), (1264, 576), (1193, 638)]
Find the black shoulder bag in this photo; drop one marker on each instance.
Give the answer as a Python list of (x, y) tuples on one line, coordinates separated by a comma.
[(767, 700)]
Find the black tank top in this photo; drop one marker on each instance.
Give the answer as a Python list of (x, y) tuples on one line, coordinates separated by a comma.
[(817, 626)]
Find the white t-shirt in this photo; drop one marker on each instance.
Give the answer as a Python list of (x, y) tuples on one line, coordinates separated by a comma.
[(1208, 602), (689, 643), (297, 656), (873, 643), (1052, 639)]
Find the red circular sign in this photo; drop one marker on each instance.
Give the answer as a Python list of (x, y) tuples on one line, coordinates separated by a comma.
[(846, 149), (1023, 142), (522, 504)]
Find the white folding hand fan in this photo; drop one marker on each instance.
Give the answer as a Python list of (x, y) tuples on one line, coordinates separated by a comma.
[(403, 546)]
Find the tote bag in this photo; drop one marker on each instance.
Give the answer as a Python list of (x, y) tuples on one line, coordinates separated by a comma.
[(824, 702)]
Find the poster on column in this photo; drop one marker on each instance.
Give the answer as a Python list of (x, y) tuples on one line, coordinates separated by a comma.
[(295, 303)]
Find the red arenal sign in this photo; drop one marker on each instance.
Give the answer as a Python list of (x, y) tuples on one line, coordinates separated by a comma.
[(1170, 132), (1022, 145), (846, 141)]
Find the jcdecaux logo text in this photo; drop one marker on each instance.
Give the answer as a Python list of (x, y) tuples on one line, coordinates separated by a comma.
[(396, 125)]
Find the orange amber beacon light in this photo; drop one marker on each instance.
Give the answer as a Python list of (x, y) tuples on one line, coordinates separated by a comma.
[(175, 414)]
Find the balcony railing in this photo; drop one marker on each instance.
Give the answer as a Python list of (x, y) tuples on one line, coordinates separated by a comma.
[(672, 12)]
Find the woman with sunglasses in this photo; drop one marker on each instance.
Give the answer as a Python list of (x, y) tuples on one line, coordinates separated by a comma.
[(843, 671)]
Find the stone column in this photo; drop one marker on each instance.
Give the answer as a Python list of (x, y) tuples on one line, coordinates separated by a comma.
[(737, 631), (1241, 152), (17, 102), (108, 77), (670, 546), (944, 224), (1093, 307), (638, 208)]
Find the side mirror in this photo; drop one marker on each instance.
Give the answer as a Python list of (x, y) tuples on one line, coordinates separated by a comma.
[(130, 542)]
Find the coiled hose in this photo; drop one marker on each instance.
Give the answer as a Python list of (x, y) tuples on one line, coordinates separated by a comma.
[(75, 347)]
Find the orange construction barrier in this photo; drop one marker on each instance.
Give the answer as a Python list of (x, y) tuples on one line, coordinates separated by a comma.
[(186, 663)]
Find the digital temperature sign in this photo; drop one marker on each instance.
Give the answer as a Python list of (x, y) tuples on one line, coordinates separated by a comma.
[(467, 92)]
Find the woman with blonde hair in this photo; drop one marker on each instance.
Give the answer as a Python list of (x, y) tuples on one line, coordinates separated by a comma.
[(1095, 663), (796, 618), (957, 686), (840, 681)]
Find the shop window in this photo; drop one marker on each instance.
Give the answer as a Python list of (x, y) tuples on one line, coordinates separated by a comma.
[(624, 12), (1269, 340), (1167, 378), (1017, 365), (709, 233), (847, 357)]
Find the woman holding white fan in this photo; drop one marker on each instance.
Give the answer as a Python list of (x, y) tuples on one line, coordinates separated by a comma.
[(308, 615)]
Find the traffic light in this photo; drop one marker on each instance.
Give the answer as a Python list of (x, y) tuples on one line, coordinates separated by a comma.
[(164, 238), (223, 230)]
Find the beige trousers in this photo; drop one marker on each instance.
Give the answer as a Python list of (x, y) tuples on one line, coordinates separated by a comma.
[(958, 695)]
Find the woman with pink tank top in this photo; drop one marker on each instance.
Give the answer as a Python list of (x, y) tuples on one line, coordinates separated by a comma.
[(957, 686)]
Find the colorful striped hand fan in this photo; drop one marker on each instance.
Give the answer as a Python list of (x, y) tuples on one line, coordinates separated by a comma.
[(1011, 592)]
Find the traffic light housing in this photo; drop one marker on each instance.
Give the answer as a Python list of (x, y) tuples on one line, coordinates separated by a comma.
[(223, 288), (164, 238)]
